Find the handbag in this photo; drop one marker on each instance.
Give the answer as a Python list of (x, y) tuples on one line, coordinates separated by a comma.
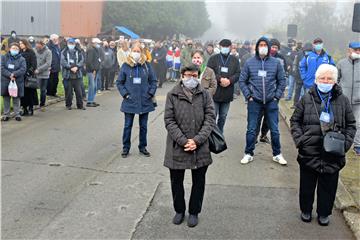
[(217, 143), (334, 142), (32, 82)]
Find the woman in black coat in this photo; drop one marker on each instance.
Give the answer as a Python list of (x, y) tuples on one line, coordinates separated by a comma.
[(30, 95), (324, 108)]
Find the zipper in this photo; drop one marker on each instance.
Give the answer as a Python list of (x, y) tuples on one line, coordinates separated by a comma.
[(263, 81)]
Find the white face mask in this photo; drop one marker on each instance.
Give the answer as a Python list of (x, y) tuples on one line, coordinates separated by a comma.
[(136, 56), (263, 50), (355, 56)]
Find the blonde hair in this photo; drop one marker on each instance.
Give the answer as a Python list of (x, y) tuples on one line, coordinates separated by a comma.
[(324, 68)]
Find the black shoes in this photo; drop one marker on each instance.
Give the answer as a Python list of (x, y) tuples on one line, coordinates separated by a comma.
[(68, 108), (144, 152), (178, 218), (81, 108), (265, 139), (323, 221), (5, 119), (18, 119), (125, 153), (91, 104), (193, 221), (25, 112), (306, 217)]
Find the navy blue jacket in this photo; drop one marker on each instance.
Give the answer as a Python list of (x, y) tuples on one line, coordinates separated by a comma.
[(137, 97), (262, 89), (12, 65), (56, 56)]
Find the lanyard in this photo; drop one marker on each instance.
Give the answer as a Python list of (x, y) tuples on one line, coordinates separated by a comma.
[(227, 59), (327, 105)]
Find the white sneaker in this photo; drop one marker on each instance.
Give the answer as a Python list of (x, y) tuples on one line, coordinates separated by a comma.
[(246, 159), (280, 159)]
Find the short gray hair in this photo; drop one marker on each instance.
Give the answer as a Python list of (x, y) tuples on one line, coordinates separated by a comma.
[(54, 36), (324, 68)]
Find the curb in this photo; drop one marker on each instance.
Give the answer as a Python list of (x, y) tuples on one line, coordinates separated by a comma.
[(343, 201)]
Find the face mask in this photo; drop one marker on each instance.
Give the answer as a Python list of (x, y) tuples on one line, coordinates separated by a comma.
[(13, 35), (136, 56), (197, 61), (71, 47), (225, 50), (190, 83), (355, 56), (318, 47), (325, 87), (14, 52), (263, 50)]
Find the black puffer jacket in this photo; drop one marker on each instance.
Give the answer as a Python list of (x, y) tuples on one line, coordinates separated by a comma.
[(307, 134)]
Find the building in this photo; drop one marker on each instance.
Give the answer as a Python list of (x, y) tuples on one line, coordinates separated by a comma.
[(63, 17)]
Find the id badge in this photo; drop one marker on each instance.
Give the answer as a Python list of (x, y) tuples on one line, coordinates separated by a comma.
[(11, 66), (99, 59), (261, 73), (137, 80), (156, 54), (224, 69), (325, 117)]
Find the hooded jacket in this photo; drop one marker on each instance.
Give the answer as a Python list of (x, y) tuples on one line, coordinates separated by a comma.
[(262, 79)]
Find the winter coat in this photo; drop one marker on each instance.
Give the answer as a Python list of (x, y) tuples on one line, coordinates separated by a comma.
[(137, 94), (310, 64), (12, 65), (109, 59), (185, 119), (30, 59), (307, 134), (349, 79), (70, 59), (159, 54), (93, 59), (262, 89), (215, 62), (208, 80), (44, 58), (56, 56)]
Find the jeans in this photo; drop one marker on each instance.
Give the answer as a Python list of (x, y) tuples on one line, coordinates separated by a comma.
[(43, 88), (98, 80), (71, 85), (326, 185), (291, 87), (129, 120), (197, 189), (255, 113), (221, 111), (92, 87), (16, 106)]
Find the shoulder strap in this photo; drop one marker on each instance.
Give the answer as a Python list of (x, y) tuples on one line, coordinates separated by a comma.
[(317, 112)]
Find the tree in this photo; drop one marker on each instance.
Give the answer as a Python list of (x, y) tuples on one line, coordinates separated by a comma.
[(157, 19)]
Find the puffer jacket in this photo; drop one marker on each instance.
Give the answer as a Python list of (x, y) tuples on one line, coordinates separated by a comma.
[(262, 89), (188, 119), (12, 65), (307, 134)]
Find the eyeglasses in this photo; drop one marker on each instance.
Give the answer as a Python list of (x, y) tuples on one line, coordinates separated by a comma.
[(195, 75)]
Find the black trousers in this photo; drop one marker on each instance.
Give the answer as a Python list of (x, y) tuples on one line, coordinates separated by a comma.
[(160, 71), (52, 84), (30, 98), (105, 78), (326, 191), (71, 85), (197, 190), (111, 77)]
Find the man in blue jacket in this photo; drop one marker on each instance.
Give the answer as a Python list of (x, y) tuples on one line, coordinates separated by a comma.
[(263, 82), (314, 59)]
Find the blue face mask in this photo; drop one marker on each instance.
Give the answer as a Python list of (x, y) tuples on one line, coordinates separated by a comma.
[(14, 52), (71, 47), (225, 50), (318, 47), (325, 87)]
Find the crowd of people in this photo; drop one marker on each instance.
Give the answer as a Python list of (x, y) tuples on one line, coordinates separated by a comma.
[(325, 95)]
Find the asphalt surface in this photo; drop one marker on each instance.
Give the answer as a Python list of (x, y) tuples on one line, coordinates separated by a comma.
[(63, 178)]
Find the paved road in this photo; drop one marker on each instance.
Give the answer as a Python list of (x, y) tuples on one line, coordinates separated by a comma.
[(63, 177)]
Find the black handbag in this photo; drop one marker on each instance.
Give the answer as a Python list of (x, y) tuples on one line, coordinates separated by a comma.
[(32, 82), (334, 142), (217, 143)]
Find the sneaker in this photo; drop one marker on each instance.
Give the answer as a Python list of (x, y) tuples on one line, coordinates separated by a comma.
[(125, 153), (280, 159), (265, 139), (246, 159), (96, 104), (144, 152), (178, 218), (81, 108), (90, 104), (306, 217), (5, 119), (323, 221), (193, 221), (18, 119), (68, 108), (357, 151)]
